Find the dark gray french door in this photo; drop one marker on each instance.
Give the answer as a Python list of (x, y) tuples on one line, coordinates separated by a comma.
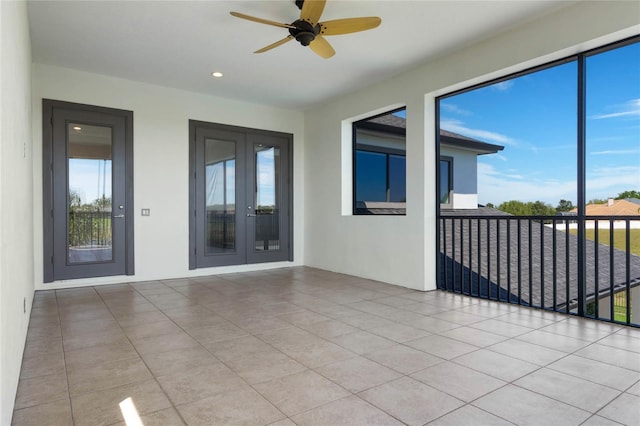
[(240, 196), (88, 205)]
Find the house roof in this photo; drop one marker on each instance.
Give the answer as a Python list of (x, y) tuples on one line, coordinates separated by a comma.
[(393, 124), (626, 207), (538, 242)]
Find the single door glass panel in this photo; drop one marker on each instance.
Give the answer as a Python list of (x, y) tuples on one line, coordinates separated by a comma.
[(267, 197), (89, 194), (220, 196)]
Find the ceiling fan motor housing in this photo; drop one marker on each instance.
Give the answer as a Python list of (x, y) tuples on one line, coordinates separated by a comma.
[(304, 32)]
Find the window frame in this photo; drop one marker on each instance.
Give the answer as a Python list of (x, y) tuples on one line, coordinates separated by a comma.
[(448, 159), (581, 118), (357, 125)]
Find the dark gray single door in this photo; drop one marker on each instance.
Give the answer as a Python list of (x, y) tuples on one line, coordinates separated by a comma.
[(240, 195), (88, 234)]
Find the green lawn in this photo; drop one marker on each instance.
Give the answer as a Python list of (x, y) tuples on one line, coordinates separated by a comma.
[(619, 238), (619, 242), (620, 307)]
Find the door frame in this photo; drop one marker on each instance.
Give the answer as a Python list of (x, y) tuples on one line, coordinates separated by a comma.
[(48, 108), (249, 135)]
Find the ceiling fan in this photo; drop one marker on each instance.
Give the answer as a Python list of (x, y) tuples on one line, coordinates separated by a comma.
[(310, 32)]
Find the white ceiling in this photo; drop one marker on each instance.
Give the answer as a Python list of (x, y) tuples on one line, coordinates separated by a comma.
[(179, 43)]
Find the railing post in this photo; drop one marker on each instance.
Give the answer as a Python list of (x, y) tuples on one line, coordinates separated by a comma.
[(582, 177)]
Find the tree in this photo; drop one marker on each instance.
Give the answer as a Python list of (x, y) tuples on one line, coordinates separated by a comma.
[(490, 205), (516, 208), (540, 208), (520, 208), (596, 201), (564, 206), (628, 194)]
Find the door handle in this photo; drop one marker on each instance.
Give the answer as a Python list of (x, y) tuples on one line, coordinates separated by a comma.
[(251, 215), (118, 216)]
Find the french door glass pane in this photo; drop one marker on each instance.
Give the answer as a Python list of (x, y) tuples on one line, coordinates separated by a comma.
[(267, 197), (89, 193), (220, 196)]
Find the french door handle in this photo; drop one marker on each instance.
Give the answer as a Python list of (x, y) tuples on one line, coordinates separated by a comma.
[(118, 216)]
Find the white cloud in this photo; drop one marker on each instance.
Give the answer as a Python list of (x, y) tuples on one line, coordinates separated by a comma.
[(628, 109), (496, 187), (454, 109), (615, 152), (458, 126), (604, 182), (503, 86)]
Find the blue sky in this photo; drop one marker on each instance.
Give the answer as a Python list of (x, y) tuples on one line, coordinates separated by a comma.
[(534, 118), (90, 179), (266, 180)]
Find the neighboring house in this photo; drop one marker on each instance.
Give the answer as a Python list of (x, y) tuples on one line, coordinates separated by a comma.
[(626, 207), (386, 136), (459, 169)]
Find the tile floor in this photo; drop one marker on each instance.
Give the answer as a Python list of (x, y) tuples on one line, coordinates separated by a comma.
[(310, 347)]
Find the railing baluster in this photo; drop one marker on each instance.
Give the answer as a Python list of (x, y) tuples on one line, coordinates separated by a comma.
[(542, 264), (596, 255), (628, 270), (489, 259), (508, 260), (462, 257), (611, 271), (567, 281), (498, 288), (470, 256), (519, 261), (530, 263), (479, 257), (555, 266)]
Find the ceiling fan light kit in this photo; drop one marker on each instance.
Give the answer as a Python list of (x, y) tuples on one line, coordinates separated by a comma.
[(308, 31)]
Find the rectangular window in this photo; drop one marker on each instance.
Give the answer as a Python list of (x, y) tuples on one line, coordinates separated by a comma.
[(380, 169)]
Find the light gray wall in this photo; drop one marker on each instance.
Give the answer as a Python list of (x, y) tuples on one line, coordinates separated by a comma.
[(161, 164), (16, 200)]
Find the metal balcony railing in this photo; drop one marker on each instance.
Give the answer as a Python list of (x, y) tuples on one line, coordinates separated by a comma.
[(535, 261), (89, 229)]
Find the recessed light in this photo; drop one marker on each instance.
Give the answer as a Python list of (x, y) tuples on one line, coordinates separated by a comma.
[(78, 128), (216, 74)]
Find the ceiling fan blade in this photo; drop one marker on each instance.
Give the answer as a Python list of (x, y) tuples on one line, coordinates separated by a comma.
[(321, 46), (274, 45), (349, 25), (312, 10), (260, 20)]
